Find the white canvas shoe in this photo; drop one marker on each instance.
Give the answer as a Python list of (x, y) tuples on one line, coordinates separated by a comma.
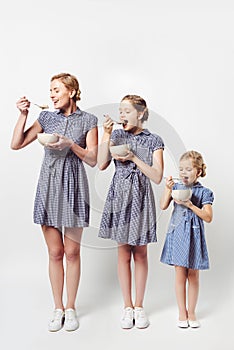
[(127, 318), (141, 319), (194, 324), (71, 321), (57, 320), (182, 324)]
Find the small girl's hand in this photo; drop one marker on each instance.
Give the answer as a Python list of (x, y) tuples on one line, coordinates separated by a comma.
[(169, 183), (187, 203), (62, 143)]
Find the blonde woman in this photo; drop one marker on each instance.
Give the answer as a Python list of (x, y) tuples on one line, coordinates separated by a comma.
[(62, 197)]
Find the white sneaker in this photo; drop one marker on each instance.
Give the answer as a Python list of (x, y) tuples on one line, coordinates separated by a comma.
[(141, 320), (57, 320), (194, 324), (71, 322), (182, 324), (127, 318)]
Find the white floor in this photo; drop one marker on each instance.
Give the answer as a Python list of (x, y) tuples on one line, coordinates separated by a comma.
[(26, 304)]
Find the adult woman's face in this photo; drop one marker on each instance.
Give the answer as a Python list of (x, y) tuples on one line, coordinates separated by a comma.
[(60, 95)]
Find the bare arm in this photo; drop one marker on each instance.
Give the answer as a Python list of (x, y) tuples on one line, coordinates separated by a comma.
[(153, 172), (166, 196), (21, 138), (88, 155), (205, 213), (104, 156)]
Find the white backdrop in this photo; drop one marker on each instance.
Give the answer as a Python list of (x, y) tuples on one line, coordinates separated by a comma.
[(179, 56)]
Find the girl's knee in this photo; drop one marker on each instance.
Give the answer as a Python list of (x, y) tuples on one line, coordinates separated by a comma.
[(193, 275), (140, 254)]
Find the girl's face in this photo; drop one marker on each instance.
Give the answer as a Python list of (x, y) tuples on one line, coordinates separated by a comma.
[(60, 95), (188, 173), (129, 113)]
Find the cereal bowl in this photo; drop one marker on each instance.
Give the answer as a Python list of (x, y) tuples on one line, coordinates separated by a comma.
[(182, 194), (120, 150), (44, 138)]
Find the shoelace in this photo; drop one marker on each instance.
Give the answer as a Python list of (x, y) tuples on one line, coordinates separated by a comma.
[(70, 315), (57, 315), (140, 313), (128, 313)]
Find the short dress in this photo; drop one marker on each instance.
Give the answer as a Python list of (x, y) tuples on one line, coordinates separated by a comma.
[(185, 243), (129, 214), (62, 196)]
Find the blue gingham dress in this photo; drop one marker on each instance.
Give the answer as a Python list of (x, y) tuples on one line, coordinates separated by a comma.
[(62, 196), (185, 243), (129, 214)]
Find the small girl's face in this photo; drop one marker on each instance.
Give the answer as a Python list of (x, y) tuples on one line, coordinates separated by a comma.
[(129, 113), (188, 173)]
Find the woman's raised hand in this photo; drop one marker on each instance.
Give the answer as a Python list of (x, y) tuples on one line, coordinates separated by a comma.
[(23, 105)]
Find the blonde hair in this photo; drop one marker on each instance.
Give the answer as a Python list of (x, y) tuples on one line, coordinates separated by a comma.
[(71, 83), (139, 104), (197, 161)]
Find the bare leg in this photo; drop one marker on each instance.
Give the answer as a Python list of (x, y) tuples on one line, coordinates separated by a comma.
[(180, 289), (53, 238), (193, 290), (72, 240), (124, 273), (141, 272)]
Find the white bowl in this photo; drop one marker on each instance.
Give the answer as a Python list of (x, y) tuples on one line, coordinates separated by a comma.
[(44, 138), (120, 150), (182, 194)]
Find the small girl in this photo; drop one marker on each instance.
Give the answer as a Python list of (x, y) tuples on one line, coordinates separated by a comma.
[(129, 215), (185, 245)]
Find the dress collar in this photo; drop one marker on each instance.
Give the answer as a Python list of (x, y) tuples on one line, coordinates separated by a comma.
[(77, 112), (143, 131), (197, 184)]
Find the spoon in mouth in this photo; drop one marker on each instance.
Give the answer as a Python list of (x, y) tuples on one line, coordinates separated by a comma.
[(173, 178), (124, 122)]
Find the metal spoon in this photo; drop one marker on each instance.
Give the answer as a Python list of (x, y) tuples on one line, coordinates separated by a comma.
[(174, 178), (118, 122), (41, 106)]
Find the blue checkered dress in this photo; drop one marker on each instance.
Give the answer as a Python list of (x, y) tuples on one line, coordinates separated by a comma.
[(62, 196), (129, 214), (185, 243)]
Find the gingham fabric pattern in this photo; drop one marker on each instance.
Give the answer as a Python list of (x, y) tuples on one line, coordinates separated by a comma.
[(62, 196), (185, 243), (129, 214)]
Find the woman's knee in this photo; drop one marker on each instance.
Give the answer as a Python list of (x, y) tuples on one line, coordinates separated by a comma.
[(56, 254), (72, 253)]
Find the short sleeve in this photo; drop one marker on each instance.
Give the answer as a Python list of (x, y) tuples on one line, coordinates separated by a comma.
[(93, 120), (207, 197), (157, 143), (42, 119)]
